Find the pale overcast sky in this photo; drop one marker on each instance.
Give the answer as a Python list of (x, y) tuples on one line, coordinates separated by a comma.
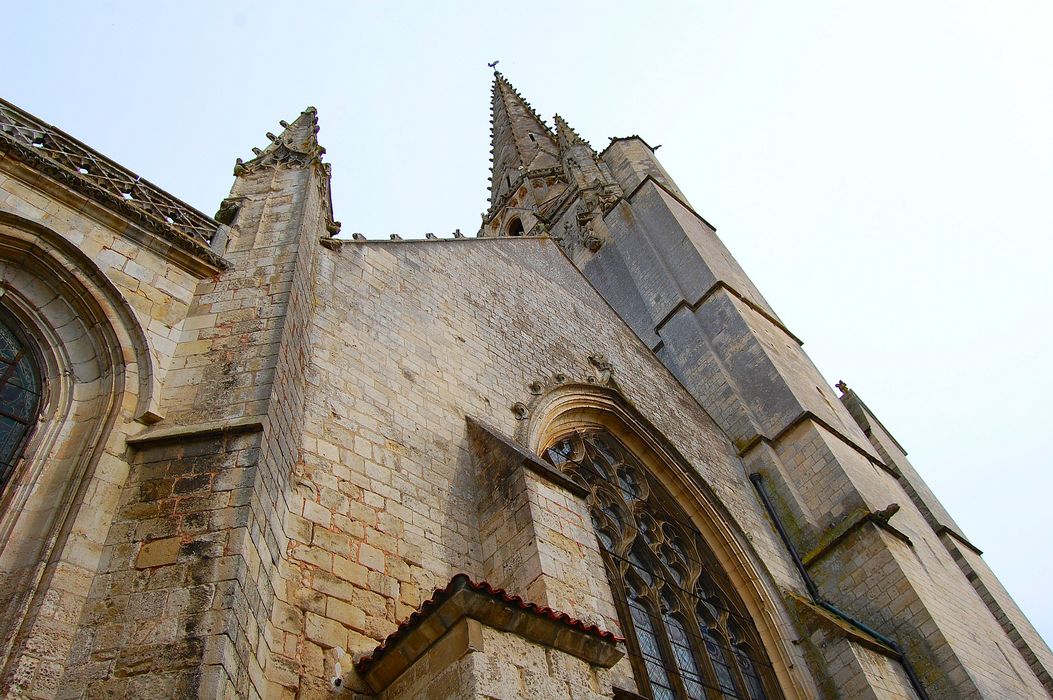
[(883, 171)]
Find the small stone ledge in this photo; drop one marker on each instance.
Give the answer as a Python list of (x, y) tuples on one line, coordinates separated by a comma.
[(958, 537), (246, 424), (338, 243), (842, 627), (479, 603), (495, 450), (716, 287), (849, 525)]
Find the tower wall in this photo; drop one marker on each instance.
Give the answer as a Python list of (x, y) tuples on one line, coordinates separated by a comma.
[(668, 275)]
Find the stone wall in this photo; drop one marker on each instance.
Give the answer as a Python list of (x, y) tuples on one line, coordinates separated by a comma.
[(412, 337), (103, 300)]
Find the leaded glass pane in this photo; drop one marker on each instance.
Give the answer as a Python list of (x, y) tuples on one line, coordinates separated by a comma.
[(715, 651), (560, 452), (9, 345), (10, 435), (685, 659), (637, 559), (24, 375), (749, 672), (651, 650), (602, 446), (628, 485), (19, 399)]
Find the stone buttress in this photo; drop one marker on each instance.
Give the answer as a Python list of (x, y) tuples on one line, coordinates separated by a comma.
[(911, 575), (182, 603), (278, 464)]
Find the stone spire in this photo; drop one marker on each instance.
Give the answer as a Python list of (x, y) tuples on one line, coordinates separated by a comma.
[(521, 143)]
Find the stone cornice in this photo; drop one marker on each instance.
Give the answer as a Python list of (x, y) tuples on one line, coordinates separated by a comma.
[(196, 431)]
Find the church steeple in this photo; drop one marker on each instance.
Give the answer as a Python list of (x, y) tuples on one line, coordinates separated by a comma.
[(521, 141), (526, 162)]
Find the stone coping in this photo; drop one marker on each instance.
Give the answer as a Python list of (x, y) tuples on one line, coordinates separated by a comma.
[(498, 450), (493, 607), (196, 431), (846, 629)]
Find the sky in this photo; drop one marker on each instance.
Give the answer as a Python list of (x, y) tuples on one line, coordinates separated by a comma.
[(883, 171)]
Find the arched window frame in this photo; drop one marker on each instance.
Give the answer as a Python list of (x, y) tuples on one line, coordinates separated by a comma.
[(624, 531), (515, 227)]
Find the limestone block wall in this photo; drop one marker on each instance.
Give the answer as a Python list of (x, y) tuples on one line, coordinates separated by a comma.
[(536, 532), (507, 667), (632, 161), (103, 300), (155, 279), (223, 365), (202, 527), (410, 338), (165, 599), (478, 662)]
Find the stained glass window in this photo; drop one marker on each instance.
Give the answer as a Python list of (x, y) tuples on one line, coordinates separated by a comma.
[(687, 633), (19, 398)]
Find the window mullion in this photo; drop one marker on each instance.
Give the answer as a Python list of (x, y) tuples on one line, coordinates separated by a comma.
[(661, 631), (736, 670), (698, 647)]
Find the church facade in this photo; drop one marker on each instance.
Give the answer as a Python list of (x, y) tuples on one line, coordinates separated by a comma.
[(577, 455)]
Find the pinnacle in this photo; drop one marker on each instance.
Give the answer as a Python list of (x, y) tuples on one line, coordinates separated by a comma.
[(299, 138), (566, 136)]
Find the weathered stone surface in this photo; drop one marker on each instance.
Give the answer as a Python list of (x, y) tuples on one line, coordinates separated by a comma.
[(255, 462), (158, 553)]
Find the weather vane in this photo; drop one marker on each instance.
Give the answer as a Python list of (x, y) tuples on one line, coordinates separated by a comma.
[(494, 64)]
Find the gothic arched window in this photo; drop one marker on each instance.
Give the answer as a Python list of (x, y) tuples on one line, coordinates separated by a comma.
[(20, 389), (686, 631)]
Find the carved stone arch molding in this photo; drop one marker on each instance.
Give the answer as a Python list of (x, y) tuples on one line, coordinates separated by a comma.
[(90, 292), (580, 408), (97, 374)]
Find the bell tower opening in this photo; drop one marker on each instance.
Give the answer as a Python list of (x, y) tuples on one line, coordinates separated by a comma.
[(515, 227)]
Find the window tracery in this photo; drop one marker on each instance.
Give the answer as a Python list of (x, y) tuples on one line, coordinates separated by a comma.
[(686, 631), (20, 390)]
